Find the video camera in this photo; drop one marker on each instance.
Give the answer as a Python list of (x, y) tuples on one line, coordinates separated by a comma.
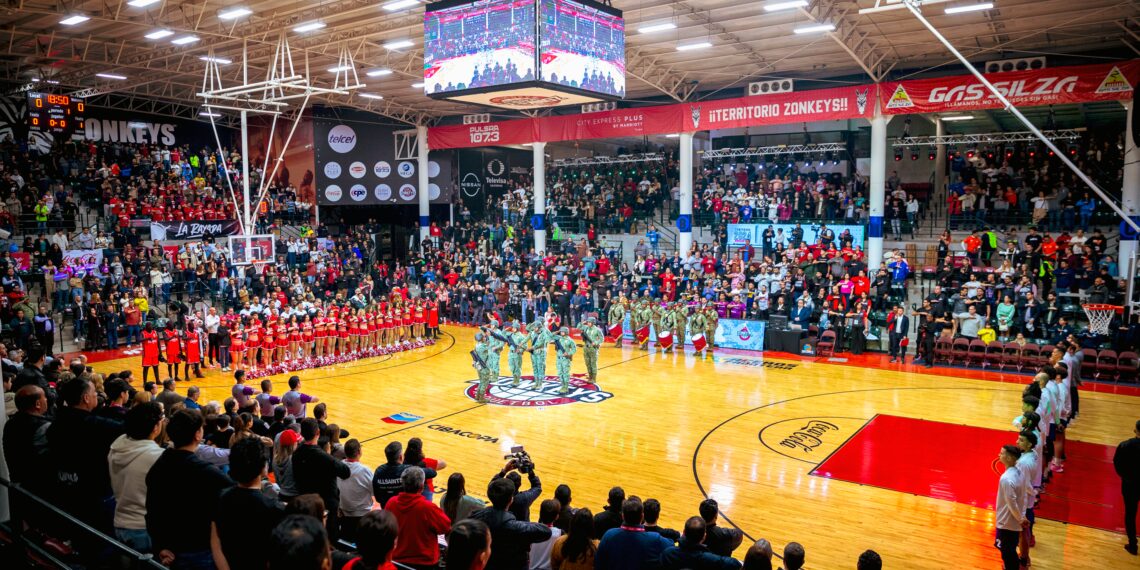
[(522, 459)]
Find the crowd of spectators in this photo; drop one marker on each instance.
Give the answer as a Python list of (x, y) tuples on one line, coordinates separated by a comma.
[(274, 486)]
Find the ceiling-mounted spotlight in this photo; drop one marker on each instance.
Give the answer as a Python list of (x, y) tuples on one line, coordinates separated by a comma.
[(971, 152), (1073, 150), (914, 154), (898, 155), (1008, 152), (1032, 152), (933, 154)]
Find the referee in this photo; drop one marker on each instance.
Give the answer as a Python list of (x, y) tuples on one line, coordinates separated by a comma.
[(1127, 464)]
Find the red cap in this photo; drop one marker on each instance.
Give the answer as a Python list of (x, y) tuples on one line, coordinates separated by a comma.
[(289, 437)]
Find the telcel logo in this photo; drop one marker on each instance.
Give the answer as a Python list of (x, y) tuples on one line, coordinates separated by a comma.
[(342, 139)]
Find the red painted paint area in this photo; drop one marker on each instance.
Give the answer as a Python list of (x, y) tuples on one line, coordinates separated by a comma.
[(1087, 493)]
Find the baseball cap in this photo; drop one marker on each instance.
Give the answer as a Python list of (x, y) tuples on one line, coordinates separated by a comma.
[(289, 437)]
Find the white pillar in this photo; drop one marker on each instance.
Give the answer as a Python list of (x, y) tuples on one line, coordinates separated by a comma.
[(1130, 199), (685, 220), (878, 191), (425, 195), (247, 219), (939, 160), (538, 222)]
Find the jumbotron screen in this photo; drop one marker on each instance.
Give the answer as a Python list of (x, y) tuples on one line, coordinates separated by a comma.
[(474, 45), (582, 46)]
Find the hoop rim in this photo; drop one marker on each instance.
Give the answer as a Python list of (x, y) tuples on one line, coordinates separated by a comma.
[(1102, 307)]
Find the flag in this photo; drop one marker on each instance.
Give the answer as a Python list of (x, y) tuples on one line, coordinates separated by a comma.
[(402, 418)]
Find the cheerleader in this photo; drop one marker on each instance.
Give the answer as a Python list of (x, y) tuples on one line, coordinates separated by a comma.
[(433, 319), (282, 334), (252, 346), (173, 342), (407, 328), (320, 335), (373, 329), (353, 332), (387, 327), (191, 340), (268, 345), (342, 334), (294, 339), (237, 346), (419, 319), (151, 351), (307, 338)]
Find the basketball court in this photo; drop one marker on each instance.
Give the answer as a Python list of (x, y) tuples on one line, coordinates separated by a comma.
[(839, 456)]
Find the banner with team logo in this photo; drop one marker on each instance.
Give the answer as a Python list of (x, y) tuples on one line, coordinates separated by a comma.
[(774, 109), (161, 231), (356, 163), (1049, 86), (740, 334)]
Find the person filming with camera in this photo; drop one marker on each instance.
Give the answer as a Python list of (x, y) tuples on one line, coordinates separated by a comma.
[(520, 462)]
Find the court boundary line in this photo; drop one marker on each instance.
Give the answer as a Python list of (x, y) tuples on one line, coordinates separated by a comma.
[(842, 445)]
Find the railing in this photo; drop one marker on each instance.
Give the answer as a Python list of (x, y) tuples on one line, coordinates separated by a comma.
[(32, 518)]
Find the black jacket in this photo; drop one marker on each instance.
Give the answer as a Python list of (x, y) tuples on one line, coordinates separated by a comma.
[(722, 541), (520, 507), (78, 443), (512, 538), (691, 556), (605, 520), (25, 448), (386, 480), (315, 471), (30, 375), (1126, 460), (182, 494)]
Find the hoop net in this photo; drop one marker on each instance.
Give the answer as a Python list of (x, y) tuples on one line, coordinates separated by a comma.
[(1100, 316)]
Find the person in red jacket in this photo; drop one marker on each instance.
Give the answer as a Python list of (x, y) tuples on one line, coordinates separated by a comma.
[(420, 521), (193, 351), (151, 351)]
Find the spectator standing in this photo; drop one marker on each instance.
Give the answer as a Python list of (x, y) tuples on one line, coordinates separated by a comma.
[(315, 471), (520, 506), (629, 547), (25, 440), (299, 543), (245, 517), (512, 538), (378, 533), (420, 522), (180, 531), (577, 548), (456, 503), (386, 481), (540, 551), (469, 546), (130, 459), (721, 541), (1126, 461), (355, 491), (610, 517), (296, 403), (692, 554), (415, 456)]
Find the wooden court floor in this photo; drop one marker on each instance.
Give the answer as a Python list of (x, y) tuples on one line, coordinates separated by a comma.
[(679, 428)]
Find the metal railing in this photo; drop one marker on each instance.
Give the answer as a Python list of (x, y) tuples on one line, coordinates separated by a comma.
[(30, 514)]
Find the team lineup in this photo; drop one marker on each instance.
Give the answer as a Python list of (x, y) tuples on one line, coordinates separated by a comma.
[(672, 321)]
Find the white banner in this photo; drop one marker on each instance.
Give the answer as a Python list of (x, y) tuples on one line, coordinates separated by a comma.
[(87, 260)]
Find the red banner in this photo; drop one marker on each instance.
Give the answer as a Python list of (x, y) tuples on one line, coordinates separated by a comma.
[(1050, 86), (782, 108)]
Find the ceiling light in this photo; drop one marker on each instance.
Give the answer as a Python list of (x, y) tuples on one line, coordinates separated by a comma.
[(159, 34), (109, 76), (814, 28), (209, 114), (371, 96), (234, 13), (399, 5), (379, 72), (958, 118), (784, 5), (308, 27), (142, 3), (418, 85), (969, 8), (690, 47), (218, 60), (184, 40), (657, 27), (73, 20), (672, 136), (339, 68), (399, 44)]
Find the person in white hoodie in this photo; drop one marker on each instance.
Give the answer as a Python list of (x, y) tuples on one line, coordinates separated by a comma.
[(130, 458)]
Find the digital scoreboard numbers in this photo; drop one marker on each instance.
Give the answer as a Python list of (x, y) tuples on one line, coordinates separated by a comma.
[(56, 114)]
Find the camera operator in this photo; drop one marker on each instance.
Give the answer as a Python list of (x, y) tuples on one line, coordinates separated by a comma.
[(520, 506)]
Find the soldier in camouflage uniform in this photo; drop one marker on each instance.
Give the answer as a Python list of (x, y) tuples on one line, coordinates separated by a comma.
[(483, 352), (680, 324), (617, 315), (655, 314), (539, 337), (698, 322), (516, 348), (665, 324), (711, 321), (639, 318), (592, 339), (564, 349)]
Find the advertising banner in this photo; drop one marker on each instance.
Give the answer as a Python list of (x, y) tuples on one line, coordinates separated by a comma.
[(356, 163), (114, 125), (739, 233), (487, 172), (1037, 87), (775, 109), (296, 169), (86, 260), (740, 334), (161, 231)]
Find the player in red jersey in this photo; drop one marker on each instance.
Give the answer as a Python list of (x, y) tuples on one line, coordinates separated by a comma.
[(151, 351), (173, 345), (193, 350)]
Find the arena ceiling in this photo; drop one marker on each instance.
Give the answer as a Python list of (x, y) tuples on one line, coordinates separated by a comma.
[(748, 43)]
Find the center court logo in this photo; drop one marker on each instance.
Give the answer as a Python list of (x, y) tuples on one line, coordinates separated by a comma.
[(342, 139), (501, 393)]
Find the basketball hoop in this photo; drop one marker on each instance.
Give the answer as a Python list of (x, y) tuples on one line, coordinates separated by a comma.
[(1100, 315)]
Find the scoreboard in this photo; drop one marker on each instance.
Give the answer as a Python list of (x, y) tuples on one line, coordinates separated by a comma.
[(56, 114)]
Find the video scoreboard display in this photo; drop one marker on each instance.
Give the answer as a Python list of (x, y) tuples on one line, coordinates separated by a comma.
[(56, 114)]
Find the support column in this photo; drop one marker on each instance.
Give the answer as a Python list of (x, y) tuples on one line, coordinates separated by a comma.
[(1130, 199), (247, 218), (538, 222), (685, 219), (878, 191), (425, 195), (939, 160)]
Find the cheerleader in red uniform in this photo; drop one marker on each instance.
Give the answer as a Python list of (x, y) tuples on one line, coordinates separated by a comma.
[(406, 329), (319, 330), (333, 319), (433, 320), (307, 338), (151, 351), (419, 320), (191, 342), (373, 330), (173, 343), (386, 328), (268, 345), (342, 334), (237, 346), (252, 344), (282, 334), (294, 338)]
